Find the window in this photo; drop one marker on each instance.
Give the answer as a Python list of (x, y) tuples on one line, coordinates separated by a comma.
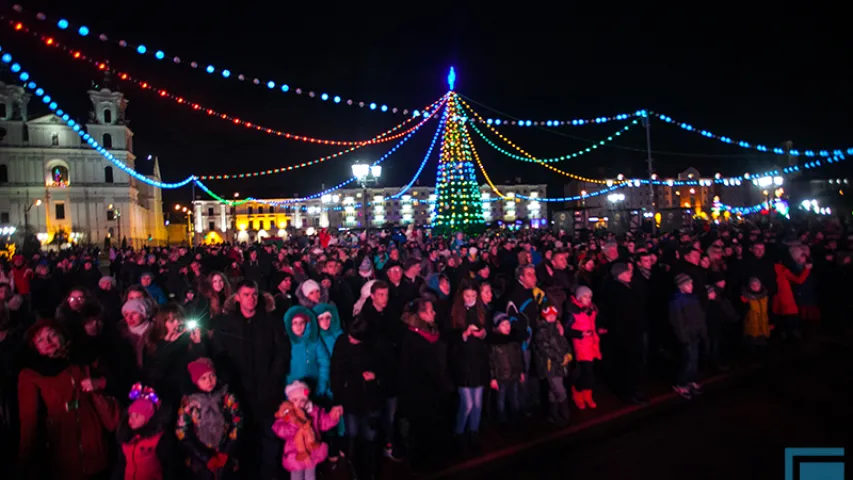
[(60, 211), (59, 176), (108, 174), (108, 115), (54, 139), (269, 225), (4, 218), (111, 215), (250, 210), (2, 110), (233, 210), (210, 211), (260, 210), (211, 226), (107, 141), (251, 224), (25, 133), (272, 208), (4, 174)]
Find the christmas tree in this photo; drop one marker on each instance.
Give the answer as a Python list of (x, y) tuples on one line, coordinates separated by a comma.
[(458, 205)]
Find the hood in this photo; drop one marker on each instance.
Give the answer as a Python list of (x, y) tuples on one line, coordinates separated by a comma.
[(335, 328), (303, 300), (158, 423), (310, 335), (266, 300), (432, 282), (414, 322)]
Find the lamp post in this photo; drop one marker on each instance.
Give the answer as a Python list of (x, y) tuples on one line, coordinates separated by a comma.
[(30, 205), (366, 174)]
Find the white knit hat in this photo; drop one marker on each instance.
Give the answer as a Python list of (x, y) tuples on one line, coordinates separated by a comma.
[(309, 286), (297, 390)]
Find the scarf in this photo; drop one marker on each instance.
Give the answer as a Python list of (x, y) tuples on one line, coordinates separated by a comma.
[(140, 329), (427, 330), (647, 274), (305, 440), (210, 425)]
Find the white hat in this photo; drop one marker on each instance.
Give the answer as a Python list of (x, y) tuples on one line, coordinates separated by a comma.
[(309, 286), (297, 390)]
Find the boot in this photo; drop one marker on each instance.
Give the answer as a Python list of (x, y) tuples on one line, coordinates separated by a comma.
[(564, 412), (554, 413), (587, 397), (578, 398)]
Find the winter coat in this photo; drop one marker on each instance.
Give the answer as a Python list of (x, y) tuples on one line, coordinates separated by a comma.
[(349, 388), (580, 327), (384, 336), (255, 354), (166, 367), (523, 307), (621, 316), (287, 429), (57, 439), (194, 425), (469, 359), (11, 347), (757, 321), (687, 318), (147, 453), (784, 302), (555, 283), (424, 383), (329, 337), (506, 360), (306, 302), (551, 351), (309, 359), (157, 294)]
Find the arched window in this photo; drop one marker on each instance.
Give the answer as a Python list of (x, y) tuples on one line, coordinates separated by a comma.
[(59, 176), (107, 141), (4, 174), (108, 115), (25, 133), (2, 110), (54, 139), (108, 174)]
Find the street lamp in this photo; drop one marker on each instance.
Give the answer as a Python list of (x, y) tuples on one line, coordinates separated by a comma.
[(366, 174), (36, 203)]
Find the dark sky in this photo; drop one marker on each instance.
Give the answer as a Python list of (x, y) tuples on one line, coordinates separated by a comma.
[(764, 80)]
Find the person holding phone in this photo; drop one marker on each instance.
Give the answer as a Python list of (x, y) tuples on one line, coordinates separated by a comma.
[(173, 342)]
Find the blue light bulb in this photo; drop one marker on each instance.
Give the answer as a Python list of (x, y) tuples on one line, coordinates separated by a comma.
[(210, 69), (285, 87), (83, 31), (324, 96), (52, 105), (270, 84), (62, 24), (141, 49), (337, 99), (24, 76), (226, 73), (6, 58), (45, 99), (159, 55), (39, 91), (373, 106)]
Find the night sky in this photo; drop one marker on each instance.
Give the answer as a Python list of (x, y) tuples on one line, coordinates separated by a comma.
[(762, 80)]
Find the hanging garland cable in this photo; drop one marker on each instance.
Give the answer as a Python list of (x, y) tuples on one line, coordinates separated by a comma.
[(225, 73), (441, 126), (324, 192), (531, 157), (30, 84), (553, 159), (104, 66)]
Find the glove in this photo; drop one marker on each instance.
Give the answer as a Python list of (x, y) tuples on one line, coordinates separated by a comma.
[(566, 359), (216, 462)]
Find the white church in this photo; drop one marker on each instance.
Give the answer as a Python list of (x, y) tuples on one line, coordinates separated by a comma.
[(52, 183)]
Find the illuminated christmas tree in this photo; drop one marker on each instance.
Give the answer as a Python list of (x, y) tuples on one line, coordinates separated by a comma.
[(458, 206)]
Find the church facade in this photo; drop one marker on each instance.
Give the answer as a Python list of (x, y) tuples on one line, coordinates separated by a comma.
[(56, 186)]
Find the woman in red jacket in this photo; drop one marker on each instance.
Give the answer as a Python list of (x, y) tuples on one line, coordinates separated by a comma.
[(784, 304), (63, 422)]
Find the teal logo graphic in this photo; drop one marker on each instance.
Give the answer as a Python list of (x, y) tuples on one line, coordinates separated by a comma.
[(814, 464)]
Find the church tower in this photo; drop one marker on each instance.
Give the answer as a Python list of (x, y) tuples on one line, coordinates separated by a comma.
[(107, 119)]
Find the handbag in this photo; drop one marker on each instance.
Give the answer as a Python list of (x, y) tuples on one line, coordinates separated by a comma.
[(106, 407)]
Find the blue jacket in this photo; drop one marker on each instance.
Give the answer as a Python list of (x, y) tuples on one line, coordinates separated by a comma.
[(329, 337), (157, 294), (309, 359)]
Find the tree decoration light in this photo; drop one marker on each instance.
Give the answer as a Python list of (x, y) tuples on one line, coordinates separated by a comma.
[(458, 206)]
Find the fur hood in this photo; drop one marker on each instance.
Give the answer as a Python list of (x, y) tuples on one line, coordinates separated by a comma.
[(414, 322), (311, 334), (335, 327), (303, 300), (266, 300)]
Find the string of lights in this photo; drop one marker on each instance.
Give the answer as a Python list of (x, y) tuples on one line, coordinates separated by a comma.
[(526, 154), (825, 153), (441, 126), (408, 133), (30, 84), (556, 123), (554, 159), (328, 190), (213, 70), (480, 165), (104, 66)]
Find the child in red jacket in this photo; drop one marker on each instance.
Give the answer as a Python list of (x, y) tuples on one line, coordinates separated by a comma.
[(145, 440)]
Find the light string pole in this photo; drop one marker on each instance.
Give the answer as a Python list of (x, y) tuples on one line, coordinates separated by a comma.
[(366, 174), (648, 124)]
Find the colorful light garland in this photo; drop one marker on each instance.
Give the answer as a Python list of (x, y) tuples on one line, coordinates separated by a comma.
[(561, 158), (162, 93), (825, 153), (441, 127), (223, 72), (78, 129), (555, 123)]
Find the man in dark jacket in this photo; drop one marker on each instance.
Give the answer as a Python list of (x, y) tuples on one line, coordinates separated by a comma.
[(688, 322), (251, 347), (555, 279), (523, 308)]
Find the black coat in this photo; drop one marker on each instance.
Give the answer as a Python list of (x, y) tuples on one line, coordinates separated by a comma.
[(687, 318), (550, 350), (424, 383), (469, 359), (506, 360), (166, 367), (384, 337), (621, 316), (349, 388), (254, 354)]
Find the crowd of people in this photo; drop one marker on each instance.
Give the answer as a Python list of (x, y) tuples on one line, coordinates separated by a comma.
[(236, 361)]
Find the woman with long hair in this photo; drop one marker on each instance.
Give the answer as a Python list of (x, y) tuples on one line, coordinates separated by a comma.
[(172, 342), (219, 292), (469, 360)]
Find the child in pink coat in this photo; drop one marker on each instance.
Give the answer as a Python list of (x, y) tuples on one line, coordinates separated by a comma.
[(299, 423), (580, 319)]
